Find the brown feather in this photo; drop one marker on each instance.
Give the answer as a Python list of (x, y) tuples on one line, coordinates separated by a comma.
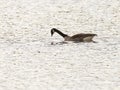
[(82, 35)]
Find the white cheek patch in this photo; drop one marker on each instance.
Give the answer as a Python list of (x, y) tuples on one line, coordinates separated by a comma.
[(88, 39)]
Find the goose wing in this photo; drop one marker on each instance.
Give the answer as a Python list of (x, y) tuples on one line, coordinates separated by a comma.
[(82, 35)]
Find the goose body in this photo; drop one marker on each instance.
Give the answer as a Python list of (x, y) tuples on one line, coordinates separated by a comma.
[(82, 37)]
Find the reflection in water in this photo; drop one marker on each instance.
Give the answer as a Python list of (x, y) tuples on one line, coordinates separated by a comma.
[(65, 42), (59, 43)]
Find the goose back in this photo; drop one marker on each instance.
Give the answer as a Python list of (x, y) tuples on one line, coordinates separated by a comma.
[(81, 37)]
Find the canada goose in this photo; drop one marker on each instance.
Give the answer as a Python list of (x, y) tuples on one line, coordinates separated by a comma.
[(77, 37)]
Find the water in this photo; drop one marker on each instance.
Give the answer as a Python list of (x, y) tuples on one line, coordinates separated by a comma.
[(31, 59)]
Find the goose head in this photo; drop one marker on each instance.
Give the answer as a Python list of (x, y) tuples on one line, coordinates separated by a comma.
[(53, 31)]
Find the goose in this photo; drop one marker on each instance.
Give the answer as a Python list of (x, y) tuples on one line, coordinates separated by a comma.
[(82, 37)]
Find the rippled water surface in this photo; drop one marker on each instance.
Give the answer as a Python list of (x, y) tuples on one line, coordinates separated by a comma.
[(30, 59)]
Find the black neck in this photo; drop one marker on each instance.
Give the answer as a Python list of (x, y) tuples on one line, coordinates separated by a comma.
[(59, 32)]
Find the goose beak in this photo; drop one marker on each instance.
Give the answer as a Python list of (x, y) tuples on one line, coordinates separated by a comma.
[(52, 32)]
